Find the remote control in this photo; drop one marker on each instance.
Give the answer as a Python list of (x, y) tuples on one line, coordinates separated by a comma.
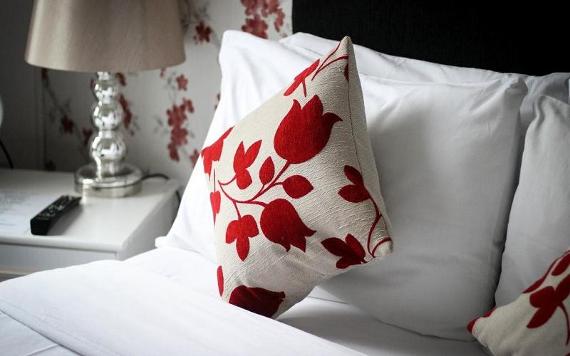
[(41, 223)]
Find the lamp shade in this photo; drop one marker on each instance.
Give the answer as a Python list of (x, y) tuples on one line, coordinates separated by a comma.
[(105, 35)]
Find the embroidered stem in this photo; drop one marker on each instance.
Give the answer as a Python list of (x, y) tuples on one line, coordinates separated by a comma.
[(326, 59), (228, 182), (234, 202), (252, 200), (372, 251), (328, 64)]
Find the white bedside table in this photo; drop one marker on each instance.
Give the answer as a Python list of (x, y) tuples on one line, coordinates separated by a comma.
[(100, 228)]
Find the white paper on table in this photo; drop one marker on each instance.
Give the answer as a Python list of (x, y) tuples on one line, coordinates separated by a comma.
[(17, 208)]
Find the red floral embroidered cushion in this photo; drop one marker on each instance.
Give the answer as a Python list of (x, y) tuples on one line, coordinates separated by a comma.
[(536, 323), (294, 190)]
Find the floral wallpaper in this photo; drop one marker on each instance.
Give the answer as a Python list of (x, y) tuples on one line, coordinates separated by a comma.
[(167, 111)]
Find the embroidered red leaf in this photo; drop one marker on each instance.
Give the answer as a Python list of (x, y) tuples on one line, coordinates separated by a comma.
[(350, 251), (297, 186), (544, 300), (213, 152), (251, 153), (356, 192), (257, 300), (300, 79), (304, 131), (242, 160), (562, 266), (215, 199), (547, 300), (239, 157), (353, 193), (267, 171), (240, 231), (220, 277), (281, 224)]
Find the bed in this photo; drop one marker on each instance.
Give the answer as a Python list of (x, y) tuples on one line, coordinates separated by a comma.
[(166, 300)]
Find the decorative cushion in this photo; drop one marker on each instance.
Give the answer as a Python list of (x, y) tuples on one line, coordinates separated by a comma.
[(539, 219), (294, 190), (537, 322)]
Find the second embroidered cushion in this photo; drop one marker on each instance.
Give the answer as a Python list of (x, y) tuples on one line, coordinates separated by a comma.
[(294, 190)]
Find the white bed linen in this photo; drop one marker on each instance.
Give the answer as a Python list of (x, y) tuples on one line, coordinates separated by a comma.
[(194, 275), (16, 339), (118, 308), (335, 321)]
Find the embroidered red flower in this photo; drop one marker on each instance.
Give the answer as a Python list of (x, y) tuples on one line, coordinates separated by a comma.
[(547, 300), (243, 159), (220, 278), (304, 131), (300, 79), (257, 300), (350, 251), (240, 231), (213, 152), (282, 225), (355, 192)]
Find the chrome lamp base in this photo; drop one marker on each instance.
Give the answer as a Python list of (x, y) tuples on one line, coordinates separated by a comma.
[(108, 175), (124, 183)]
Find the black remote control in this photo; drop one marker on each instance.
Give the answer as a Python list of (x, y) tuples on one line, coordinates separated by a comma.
[(41, 223)]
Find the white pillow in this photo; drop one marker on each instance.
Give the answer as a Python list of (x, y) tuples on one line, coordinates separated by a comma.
[(251, 75), (539, 223), (382, 65), (447, 154)]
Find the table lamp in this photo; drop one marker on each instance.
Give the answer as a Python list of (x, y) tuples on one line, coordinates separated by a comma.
[(106, 36)]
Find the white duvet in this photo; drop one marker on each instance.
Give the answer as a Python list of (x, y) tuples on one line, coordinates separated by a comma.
[(116, 308)]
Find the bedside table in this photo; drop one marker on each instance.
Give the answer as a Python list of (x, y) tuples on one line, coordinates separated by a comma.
[(100, 228)]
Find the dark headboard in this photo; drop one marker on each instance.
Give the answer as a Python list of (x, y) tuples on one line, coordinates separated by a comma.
[(526, 39)]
